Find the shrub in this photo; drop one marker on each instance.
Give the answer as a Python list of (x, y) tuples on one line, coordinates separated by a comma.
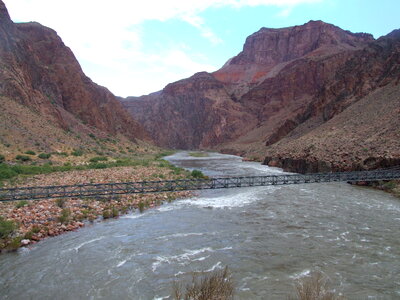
[(114, 212), (15, 243), (98, 165), (60, 153), (7, 228), (60, 202), (197, 174), (92, 136), (141, 206), (77, 152), (28, 235), (64, 216), (2, 158), (98, 158), (314, 287), (44, 155), (21, 203), (217, 285), (106, 214), (22, 158), (35, 229), (6, 172), (30, 152), (390, 185)]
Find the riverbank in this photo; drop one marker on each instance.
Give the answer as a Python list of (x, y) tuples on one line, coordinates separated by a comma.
[(32, 221)]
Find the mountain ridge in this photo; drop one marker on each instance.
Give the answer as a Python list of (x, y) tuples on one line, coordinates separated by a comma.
[(251, 106), (39, 71)]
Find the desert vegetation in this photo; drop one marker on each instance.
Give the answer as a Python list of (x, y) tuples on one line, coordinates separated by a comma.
[(26, 222), (314, 287), (217, 285)]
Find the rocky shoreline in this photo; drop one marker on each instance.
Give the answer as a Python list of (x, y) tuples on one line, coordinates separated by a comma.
[(38, 220), (312, 165), (34, 221)]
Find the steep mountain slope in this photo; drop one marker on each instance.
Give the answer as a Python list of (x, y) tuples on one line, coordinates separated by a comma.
[(38, 71), (285, 82), (191, 113), (365, 135)]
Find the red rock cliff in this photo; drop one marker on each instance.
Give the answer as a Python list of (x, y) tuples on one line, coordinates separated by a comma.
[(39, 71)]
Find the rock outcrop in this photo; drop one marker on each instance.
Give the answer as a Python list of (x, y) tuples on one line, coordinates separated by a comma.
[(40, 72), (285, 84)]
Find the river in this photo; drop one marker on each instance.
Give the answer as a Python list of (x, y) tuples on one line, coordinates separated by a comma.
[(267, 236)]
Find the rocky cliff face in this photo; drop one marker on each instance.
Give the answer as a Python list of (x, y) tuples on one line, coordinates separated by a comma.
[(285, 83), (39, 71), (268, 47), (192, 113)]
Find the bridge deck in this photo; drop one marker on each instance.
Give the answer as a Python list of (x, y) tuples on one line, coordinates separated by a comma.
[(120, 188)]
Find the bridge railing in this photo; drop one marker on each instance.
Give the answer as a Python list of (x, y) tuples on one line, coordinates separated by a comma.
[(120, 188)]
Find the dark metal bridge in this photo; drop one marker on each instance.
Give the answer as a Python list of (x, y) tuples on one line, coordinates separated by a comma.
[(122, 188)]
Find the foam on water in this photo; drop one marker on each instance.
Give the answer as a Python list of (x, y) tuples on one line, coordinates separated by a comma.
[(214, 267), (239, 199), (121, 263), (183, 258), (303, 273), (83, 244), (184, 235)]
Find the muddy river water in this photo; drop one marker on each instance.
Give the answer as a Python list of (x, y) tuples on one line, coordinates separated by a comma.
[(267, 236)]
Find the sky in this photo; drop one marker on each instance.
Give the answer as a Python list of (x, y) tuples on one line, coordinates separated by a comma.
[(138, 47)]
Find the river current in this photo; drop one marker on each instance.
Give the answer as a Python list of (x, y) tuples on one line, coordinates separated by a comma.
[(267, 236)]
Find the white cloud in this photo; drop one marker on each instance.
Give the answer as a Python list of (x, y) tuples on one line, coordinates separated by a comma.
[(106, 36), (285, 12)]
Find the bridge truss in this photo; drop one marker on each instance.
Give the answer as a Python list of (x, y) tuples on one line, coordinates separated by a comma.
[(122, 188)]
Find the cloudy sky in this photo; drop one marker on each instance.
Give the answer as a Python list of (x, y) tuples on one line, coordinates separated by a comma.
[(137, 47)]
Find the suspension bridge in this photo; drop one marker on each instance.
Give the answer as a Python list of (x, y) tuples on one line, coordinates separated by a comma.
[(123, 188)]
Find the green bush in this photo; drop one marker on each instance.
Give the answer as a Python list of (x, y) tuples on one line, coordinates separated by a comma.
[(28, 235), (197, 174), (35, 229), (60, 153), (14, 244), (6, 172), (77, 152), (98, 158), (44, 155), (64, 216), (98, 166), (114, 212), (2, 158), (390, 185), (7, 228), (21, 203), (22, 158), (106, 214), (141, 206), (30, 152)]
